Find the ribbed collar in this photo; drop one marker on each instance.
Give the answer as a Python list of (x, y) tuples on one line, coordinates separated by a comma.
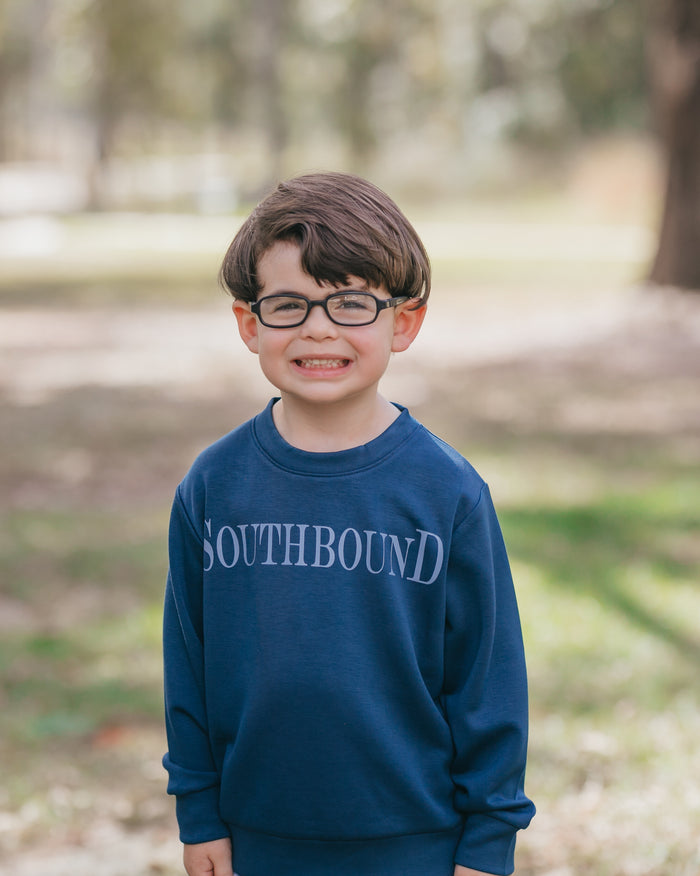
[(326, 464)]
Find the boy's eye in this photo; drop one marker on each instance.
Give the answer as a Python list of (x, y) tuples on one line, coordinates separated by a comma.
[(286, 305), (353, 302)]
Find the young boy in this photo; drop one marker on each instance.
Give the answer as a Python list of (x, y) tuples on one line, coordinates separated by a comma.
[(344, 673)]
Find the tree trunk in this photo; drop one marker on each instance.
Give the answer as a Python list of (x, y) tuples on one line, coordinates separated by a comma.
[(272, 20), (675, 69)]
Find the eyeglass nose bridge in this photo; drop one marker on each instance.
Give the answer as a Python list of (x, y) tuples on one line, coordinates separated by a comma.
[(318, 302)]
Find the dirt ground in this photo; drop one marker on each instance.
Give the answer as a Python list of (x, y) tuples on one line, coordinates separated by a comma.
[(633, 359)]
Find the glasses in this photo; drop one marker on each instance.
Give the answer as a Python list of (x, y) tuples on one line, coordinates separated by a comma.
[(289, 310)]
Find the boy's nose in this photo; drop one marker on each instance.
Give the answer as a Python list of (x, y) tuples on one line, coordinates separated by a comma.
[(318, 324)]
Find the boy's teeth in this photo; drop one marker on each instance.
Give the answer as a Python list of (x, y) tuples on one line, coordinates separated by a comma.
[(322, 363)]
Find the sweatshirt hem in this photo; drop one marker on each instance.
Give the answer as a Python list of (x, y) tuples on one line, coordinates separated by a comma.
[(257, 854)]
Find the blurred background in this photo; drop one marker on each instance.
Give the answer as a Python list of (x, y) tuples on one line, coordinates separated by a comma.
[(548, 152)]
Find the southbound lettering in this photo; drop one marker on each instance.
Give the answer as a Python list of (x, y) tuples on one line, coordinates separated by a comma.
[(417, 558)]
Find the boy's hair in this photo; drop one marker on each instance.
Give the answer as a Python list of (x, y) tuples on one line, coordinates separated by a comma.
[(344, 225)]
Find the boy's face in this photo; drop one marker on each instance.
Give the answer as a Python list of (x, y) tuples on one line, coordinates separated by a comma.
[(319, 362)]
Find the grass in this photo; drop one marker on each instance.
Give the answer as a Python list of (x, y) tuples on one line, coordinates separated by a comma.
[(609, 602), (607, 593), (602, 522), (83, 653)]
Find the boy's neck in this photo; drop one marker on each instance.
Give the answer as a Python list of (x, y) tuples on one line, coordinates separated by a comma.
[(331, 428)]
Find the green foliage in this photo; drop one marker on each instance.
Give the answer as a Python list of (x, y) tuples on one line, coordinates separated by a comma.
[(603, 69), (352, 80)]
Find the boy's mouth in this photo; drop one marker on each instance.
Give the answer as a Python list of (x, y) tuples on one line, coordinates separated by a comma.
[(312, 364)]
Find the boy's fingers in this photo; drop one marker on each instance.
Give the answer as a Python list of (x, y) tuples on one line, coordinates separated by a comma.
[(222, 863), (209, 859)]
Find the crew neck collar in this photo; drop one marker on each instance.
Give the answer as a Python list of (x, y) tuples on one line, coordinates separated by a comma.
[(326, 463)]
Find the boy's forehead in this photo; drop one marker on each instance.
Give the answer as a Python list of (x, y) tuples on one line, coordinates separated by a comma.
[(281, 264)]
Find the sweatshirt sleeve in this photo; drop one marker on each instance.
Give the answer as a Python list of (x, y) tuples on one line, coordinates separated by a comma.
[(485, 693), (193, 776)]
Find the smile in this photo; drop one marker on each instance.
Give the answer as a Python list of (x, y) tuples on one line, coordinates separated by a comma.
[(321, 363)]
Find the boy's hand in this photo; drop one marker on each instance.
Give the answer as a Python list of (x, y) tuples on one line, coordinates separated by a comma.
[(208, 859)]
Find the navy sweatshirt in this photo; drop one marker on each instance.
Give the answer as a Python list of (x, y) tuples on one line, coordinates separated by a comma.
[(344, 672)]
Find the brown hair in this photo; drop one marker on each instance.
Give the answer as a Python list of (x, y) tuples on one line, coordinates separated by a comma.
[(343, 225)]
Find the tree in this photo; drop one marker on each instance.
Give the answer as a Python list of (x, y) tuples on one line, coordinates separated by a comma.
[(674, 48), (25, 77), (272, 20), (130, 40)]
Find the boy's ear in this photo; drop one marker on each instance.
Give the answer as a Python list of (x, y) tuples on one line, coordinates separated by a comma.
[(407, 324), (247, 324)]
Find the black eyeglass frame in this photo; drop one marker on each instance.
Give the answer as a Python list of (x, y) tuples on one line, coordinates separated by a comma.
[(381, 304)]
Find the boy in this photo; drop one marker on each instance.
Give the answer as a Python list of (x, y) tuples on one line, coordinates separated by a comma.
[(344, 673)]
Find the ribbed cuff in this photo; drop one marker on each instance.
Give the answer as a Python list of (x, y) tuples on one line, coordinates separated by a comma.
[(198, 817), (488, 845)]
